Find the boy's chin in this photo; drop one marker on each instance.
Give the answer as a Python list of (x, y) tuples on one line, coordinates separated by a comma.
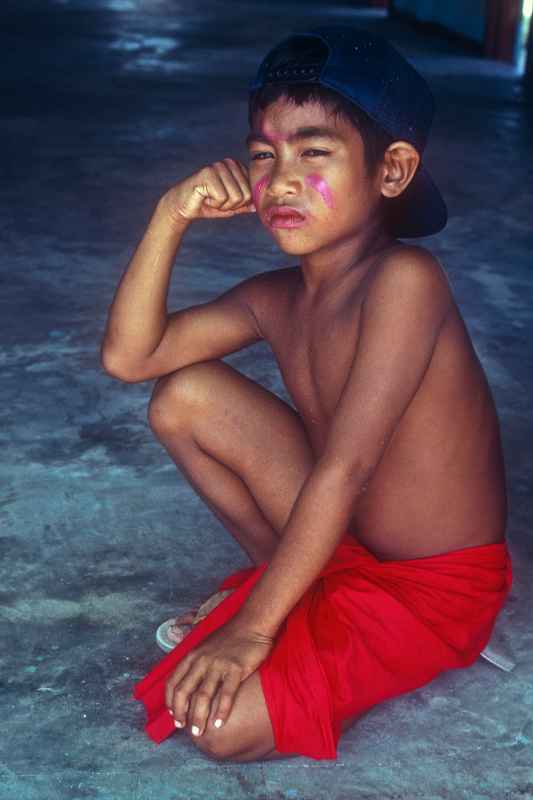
[(295, 248), (296, 243)]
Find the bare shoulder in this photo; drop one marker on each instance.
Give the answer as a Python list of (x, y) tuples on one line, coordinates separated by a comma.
[(411, 262), (267, 294), (411, 275)]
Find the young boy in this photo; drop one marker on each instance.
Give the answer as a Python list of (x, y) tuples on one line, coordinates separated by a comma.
[(375, 514)]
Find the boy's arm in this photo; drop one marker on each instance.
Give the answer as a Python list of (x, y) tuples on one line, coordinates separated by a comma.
[(400, 321), (142, 341)]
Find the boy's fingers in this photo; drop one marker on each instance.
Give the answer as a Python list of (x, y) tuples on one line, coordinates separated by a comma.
[(201, 702), (243, 176), (245, 168), (177, 676), (183, 692), (232, 681), (247, 189), (211, 190), (233, 182)]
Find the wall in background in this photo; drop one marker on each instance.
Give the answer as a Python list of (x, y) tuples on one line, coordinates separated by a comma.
[(466, 17)]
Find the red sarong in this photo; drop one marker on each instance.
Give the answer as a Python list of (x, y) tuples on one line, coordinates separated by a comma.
[(365, 631)]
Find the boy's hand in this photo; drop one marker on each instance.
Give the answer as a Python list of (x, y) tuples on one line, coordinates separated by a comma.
[(221, 189), (226, 657)]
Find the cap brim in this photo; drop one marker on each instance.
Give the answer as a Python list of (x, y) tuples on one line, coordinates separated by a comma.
[(420, 210)]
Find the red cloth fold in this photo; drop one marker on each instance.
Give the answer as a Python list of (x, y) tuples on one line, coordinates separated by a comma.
[(365, 631)]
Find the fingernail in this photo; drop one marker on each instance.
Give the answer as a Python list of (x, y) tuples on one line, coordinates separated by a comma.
[(195, 730), (218, 723), (178, 724)]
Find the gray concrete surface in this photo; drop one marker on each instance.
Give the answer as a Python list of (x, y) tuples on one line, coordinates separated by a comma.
[(105, 104)]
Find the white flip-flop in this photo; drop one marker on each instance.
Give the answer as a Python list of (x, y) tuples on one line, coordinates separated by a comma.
[(167, 641), (164, 638)]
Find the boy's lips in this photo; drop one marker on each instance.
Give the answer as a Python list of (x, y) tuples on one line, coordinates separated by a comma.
[(284, 217)]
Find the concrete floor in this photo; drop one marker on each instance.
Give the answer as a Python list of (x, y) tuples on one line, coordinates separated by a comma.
[(105, 104)]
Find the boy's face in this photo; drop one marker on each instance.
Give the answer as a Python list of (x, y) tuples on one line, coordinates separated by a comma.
[(321, 175)]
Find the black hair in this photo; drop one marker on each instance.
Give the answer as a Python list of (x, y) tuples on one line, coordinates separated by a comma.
[(375, 138)]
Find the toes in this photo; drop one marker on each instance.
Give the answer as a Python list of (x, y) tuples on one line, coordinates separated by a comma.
[(176, 633), (186, 619)]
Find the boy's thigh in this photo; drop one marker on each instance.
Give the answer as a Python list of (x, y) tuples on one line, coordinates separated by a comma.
[(242, 425)]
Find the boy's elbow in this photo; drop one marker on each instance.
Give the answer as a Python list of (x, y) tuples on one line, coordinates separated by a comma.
[(116, 368)]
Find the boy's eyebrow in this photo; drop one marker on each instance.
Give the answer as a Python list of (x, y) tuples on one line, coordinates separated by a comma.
[(307, 132)]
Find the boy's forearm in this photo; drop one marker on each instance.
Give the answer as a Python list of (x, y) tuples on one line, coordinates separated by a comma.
[(138, 314), (318, 521)]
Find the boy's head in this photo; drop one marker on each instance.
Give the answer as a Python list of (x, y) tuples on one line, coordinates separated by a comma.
[(360, 83), (375, 139)]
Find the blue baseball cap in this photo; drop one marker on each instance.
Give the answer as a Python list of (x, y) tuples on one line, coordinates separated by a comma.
[(366, 69)]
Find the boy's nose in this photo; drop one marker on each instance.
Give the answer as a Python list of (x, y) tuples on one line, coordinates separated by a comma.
[(283, 183)]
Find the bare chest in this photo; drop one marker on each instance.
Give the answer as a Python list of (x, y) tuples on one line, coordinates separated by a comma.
[(314, 350)]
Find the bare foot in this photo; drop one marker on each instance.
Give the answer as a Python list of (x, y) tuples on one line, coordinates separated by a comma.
[(181, 625), (187, 618)]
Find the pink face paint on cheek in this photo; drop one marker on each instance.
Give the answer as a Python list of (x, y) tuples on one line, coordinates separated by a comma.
[(321, 186), (258, 188)]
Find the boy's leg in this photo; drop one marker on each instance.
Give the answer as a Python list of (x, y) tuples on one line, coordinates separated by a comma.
[(246, 453), (247, 734), (242, 448)]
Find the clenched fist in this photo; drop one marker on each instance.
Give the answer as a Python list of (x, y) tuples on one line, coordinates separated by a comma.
[(221, 189)]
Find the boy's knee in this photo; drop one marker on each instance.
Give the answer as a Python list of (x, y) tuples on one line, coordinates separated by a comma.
[(175, 396), (217, 744)]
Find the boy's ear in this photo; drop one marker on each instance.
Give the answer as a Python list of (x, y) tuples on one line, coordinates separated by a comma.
[(399, 166)]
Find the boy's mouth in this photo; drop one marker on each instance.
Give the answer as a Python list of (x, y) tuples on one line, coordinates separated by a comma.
[(284, 217)]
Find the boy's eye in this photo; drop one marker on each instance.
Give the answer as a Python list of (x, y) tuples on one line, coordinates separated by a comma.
[(256, 156)]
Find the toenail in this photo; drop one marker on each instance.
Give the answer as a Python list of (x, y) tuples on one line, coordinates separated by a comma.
[(178, 724), (196, 730), (218, 723)]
